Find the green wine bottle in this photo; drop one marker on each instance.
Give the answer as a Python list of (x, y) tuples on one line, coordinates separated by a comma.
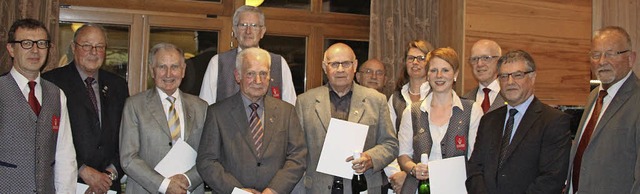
[(424, 187)]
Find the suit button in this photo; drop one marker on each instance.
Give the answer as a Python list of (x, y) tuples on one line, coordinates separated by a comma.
[(100, 147), (170, 144), (259, 163), (503, 175)]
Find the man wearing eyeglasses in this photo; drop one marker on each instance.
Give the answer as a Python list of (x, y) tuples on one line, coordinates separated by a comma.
[(95, 109), (248, 28), (605, 157), (522, 147), (483, 61), (36, 146), (372, 75), (342, 99)]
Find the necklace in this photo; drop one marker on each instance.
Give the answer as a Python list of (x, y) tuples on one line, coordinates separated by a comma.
[(415, 94)]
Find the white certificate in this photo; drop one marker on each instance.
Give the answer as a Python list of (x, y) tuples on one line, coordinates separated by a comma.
[(342, 139), (179, 160), (81, 188), (448, 175), (237, 190)]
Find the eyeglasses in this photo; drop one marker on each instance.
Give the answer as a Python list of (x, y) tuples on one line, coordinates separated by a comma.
[(254, 27), (88, 47), (411, 58), (28, 44), (515, 75), (370, 72), (485, 58), (595, 55), (336, 64)]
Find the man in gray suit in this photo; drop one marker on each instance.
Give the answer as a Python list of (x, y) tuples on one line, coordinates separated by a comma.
[(251, 140), (154, 120), (483, 60), (343, 99), (605, 156)]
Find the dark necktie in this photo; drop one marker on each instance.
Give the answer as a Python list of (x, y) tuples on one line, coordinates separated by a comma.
[(506, 136), (33, 101), (586, 137), (92, 95), (255, 124), (486, 103)]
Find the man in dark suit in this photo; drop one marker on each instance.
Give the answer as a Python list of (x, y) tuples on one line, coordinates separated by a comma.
[(522, 147), (155, 120), (95, 109), (194, 73), (605, 157), (483, 60), (250, 140), (343, 99)]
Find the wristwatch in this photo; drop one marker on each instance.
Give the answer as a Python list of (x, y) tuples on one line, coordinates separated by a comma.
[(112, 176), (413, 171)]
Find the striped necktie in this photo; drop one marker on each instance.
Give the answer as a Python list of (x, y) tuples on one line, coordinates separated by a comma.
[(173, 120), (255, 124), (506, 137)]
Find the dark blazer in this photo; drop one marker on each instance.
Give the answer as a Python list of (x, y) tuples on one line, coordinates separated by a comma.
[(96, 143), (194, 72), (611, 161), (497, 103), (536, 160), (227, 157)]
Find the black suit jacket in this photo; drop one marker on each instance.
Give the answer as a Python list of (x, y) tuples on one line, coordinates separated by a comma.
[(194, 72), (96, 146), (536, 161)]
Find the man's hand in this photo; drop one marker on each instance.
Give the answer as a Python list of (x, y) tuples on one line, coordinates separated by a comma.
[(422, 171), (397, 180), (98, 182), (361, 165), (269, 191), (179, 184), (253, 191)]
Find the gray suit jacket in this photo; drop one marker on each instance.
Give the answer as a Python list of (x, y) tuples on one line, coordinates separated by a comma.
[(368, 107), (145, 139), (227, 157), (611, 161), (497, 103)]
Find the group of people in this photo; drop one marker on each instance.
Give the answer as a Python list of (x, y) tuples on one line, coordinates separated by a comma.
[(77, 123)]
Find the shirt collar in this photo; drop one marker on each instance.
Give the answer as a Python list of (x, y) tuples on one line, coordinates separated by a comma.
[(84, 75), (615, 87), (163, 96), (523, 106), (21, 80), (426, 103), (248, 102), (494, 86)]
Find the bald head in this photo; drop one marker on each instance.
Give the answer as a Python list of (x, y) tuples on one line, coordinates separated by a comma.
[(372, 74), (340, 65), (483, 60)]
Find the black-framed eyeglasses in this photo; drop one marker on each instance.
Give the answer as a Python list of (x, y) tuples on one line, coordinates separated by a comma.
[(484, 58), (28, 44), (88, 47), (595, 55), (515, 75), (244, 26), (411, 58), (336, 64), (370, 72)]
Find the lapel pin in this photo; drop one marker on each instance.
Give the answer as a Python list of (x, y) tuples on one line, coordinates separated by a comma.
[(356, 112), (271, 120), (421, 130)]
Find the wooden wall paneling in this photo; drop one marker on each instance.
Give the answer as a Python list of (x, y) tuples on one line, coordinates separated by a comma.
[(315, 53), (195, 7), (623, 13), (556, 34), (451, 33), (139, 49)]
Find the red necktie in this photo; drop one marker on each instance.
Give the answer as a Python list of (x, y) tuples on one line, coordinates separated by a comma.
[(486, 103), (33, 101), (586, 137)]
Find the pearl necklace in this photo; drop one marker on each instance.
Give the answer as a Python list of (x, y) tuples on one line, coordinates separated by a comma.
[(415, 94)]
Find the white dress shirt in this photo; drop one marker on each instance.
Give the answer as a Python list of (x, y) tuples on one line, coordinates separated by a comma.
[(495, 91), (178, 107), (65, 169), (405, 135), (424, 90), (209, 89)]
